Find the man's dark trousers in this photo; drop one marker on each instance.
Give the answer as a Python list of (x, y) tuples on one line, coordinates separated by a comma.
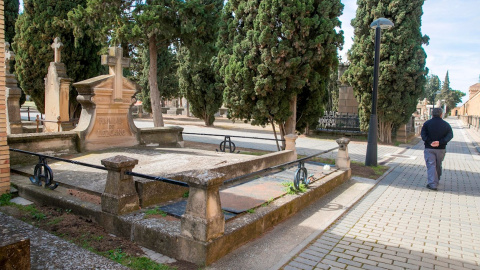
[(434, 159)]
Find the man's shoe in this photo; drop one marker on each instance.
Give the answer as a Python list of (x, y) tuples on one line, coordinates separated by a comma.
[(430, 187)]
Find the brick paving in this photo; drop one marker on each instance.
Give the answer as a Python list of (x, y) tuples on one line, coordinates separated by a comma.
[(401, 224)]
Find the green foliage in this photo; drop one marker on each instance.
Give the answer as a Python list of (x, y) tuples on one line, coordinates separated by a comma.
[(451, 97), (268, 202), (155, 211), (291, 190), (5, 199), (137, 263), (402, 62), (186, 194), (432, 86), (251, 211), (54, 221), (11, 15), (167, 65), (197, 79), (272, 52), (199, 85), (35, 30)]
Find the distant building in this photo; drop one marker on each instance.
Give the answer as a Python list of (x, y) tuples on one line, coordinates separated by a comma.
[(472, 106)]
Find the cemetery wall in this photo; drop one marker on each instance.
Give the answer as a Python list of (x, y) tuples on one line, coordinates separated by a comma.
[(4, 153)]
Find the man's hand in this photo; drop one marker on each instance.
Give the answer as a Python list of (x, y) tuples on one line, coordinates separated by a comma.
[(435, 144)]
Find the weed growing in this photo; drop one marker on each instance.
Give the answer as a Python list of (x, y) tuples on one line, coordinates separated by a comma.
[(137, 263), (155, 211), (291, 190)]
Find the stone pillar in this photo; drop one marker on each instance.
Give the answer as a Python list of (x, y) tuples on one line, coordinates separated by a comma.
[(120, 196), (290, 144), (4, 153), (343, 160), (203, 219), (13, 93)]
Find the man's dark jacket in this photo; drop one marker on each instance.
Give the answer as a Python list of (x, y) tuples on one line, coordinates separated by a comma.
[(436, 129)]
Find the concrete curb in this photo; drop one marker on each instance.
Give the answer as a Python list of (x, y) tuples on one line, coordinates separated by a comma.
[(289, 256)]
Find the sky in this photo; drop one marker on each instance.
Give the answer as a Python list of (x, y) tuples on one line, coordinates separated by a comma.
[(454, 30)]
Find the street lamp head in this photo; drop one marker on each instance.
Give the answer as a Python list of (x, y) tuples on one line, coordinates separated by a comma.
[(382, 22)]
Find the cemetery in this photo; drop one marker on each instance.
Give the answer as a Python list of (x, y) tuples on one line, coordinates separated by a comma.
[(99, 74), (216, 201)]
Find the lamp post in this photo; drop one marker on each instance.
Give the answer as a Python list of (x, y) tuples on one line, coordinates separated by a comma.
[(371, 158)]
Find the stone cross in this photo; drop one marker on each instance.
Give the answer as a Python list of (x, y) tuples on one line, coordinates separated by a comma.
[(9, 56), (116, 62), (57, 47)]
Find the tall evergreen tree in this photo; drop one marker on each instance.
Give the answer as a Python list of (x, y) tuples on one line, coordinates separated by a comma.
[(402, 62), (35, 29), (275, 59), (449, 96), (432, 86), (11, 15), (198, 82)]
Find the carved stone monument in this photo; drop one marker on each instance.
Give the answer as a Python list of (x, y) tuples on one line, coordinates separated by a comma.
[(57, 89), (13, 93), (105, 120), (346, 99)]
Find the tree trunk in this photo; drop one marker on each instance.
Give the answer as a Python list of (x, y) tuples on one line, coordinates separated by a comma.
[(275, 133), (153, 84), (282, 134), (385, 131), (291, 122)]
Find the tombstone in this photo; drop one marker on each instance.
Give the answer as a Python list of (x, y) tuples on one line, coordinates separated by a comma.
[(57, 92), (347, 103), (13, 94), (105, 120)]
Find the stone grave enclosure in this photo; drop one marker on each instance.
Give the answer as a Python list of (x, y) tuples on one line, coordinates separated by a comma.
[(203, 232)]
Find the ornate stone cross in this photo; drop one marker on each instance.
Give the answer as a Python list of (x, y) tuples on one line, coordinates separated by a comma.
[(57, 47), (116, 63), (9, 56)]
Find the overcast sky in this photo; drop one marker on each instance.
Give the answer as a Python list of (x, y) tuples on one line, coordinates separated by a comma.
[(454, 31)]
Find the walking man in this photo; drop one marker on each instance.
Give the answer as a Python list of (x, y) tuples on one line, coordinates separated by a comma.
[(436, 133)]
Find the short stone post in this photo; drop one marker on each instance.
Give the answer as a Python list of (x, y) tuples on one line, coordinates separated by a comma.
[(203, 219), (13, 94), (343, 160), (120, 196), (290, 144)]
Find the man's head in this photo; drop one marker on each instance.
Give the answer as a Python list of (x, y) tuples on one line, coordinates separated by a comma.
[(437, 112)]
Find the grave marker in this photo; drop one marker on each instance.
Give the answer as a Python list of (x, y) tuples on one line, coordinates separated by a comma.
[(116, 62), (57, 92), (13, 93), (105, 120)]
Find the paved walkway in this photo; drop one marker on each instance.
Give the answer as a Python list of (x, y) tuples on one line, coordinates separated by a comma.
[(403, 225)]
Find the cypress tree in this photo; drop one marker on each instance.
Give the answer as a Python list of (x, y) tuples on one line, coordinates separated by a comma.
[(198, 82), (11, 15), (402, 62), (449, 96), (275, 59), (35, 30), (432, 86)]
